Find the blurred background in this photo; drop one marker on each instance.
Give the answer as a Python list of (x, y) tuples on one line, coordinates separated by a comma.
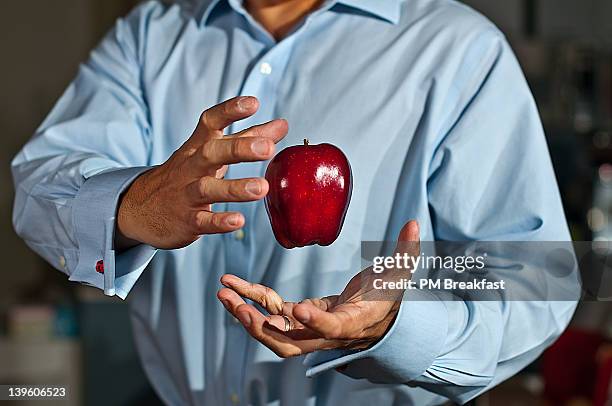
[(55, 333)]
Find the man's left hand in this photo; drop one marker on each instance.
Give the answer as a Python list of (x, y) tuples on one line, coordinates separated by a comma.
[(356, 319)]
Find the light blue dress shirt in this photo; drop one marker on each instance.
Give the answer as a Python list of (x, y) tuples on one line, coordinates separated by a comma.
[(428, 102)]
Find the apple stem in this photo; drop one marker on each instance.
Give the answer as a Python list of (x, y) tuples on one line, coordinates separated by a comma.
[(305, 141)]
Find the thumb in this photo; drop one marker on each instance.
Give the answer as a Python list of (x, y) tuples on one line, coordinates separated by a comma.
[(409, 239), (408, 243), (410, 231)]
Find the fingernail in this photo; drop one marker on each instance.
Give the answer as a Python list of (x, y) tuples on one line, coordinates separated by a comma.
[(253, 187), (245, 103), (245, 318), (260, 147), (225, 303), (233, 220)]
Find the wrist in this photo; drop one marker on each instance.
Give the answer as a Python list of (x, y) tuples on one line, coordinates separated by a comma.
[(128, 227), (125, 236)]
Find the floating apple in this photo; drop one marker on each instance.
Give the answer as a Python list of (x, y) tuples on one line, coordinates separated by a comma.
[(310, 191)]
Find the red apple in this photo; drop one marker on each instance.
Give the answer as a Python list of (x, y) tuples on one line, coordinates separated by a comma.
[(310, 191)]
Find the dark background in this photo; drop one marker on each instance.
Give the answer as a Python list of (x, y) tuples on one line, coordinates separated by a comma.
[(53, 332)]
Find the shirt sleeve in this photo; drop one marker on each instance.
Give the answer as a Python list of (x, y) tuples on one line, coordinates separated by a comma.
[(69, 176), (490, 179)]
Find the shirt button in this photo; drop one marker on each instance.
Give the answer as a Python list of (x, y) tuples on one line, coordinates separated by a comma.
[(62, 262), (265, 68), (239, 235), (234, 398)]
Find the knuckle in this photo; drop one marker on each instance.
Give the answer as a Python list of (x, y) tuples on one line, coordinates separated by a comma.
[(235, 104), (234, 190), (263, 299), (204, 187), (200, 221), (204, 118), (236, 147), (207, 151), (218, 221), (229, 106)]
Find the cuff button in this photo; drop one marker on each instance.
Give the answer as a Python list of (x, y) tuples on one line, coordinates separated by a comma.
[(100, 266)]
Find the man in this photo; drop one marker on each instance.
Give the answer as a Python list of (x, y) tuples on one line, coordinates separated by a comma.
[(429, 104)]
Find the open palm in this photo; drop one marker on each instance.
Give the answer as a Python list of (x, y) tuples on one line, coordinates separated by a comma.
[(355, 319)]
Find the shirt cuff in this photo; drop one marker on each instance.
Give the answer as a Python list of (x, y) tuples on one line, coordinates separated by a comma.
[(93, 215), (406, 351)]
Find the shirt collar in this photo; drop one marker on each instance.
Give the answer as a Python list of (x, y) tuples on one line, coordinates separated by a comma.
[(386, 9)]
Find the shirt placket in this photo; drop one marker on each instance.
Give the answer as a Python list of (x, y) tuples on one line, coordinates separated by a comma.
[(262, 81)]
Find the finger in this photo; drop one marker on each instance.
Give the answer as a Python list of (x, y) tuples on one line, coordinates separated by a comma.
[(271, 331), (206, 222), (230, 299), (262, 295), (274, 130), (216, 118), (260, 328), (276, 325), (209, 190), (230, 150), (330, 325)]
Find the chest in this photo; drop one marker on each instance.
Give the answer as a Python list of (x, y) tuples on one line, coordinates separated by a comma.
[(329, 91)]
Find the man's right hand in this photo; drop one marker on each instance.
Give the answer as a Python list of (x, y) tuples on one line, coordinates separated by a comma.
[(170, 206)]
